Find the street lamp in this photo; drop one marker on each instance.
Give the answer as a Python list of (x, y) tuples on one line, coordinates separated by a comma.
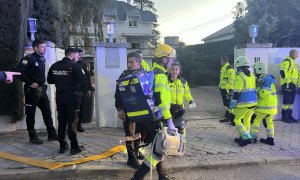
[(253, 31), (110, 27), (32, 28)]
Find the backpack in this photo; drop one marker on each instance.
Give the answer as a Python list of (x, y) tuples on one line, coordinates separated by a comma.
[(137, 95)]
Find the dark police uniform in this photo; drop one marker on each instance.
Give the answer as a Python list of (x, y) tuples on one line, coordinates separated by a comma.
[(69, 81), (32, 68), (89, 86)]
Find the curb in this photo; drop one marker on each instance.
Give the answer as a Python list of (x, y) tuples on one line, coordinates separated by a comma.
[(121, 169)]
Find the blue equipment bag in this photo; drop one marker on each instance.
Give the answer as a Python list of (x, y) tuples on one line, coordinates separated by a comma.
[(136, 91)]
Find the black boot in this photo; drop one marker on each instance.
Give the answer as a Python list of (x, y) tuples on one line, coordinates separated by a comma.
[(290, 116), (80, 128), (35, 140), (162, 172), (238, 140), (141, 172), (76, 150), (63, 148), (284, 117), (269, 141), (245, 142)]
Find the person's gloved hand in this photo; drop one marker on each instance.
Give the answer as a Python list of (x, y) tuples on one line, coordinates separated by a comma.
[(192, 104), (171, 125), (232, 104)]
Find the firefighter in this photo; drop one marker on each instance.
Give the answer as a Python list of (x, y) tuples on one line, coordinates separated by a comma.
[(130, 128), (288, 82), (164, 55), (266, 103), (243, 102), (180, 91), (226, 85)]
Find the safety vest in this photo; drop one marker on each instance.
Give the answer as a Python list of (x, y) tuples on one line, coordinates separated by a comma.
[(145, 65), (290, 71), (246, 87), (266, 98), (162, 93), (227, 77), (180, 91)]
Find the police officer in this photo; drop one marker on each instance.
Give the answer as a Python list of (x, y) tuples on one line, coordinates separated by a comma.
[(288, 82), (131, 128), (226, 85), (89, 86), (32, 68), (68, 78), (164, 56)]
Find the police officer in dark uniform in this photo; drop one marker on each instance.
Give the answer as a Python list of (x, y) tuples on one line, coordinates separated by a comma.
[(32, 68), (89, 86), (69, 80)]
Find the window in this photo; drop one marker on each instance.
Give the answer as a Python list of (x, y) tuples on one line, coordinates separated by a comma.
[(132, 23), (135, 45)]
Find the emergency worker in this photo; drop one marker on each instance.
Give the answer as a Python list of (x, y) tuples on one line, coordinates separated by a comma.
[(32, 68), (244, 100), (164, 56), (180, 91), (131, 128), (226, 85), (288, 82), (266, 103), (69, 80)]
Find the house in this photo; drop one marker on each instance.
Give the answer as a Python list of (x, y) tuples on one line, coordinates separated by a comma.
[(226, 33), (133, 26)]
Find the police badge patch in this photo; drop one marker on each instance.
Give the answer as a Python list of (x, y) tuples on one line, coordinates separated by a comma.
[(24, 62)]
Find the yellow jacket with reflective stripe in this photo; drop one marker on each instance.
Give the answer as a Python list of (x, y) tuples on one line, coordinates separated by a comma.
[(180, 91), (290, 71), (298, 76), (162, 90), (145, 65), (227, 77), (246, 86), (266, 99)]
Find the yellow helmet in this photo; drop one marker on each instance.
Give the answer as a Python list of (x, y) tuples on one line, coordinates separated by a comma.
[(260, 68), (241, 61), (164, 50)]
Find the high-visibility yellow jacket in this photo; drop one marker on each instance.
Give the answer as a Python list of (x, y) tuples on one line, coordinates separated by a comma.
[(290, 72), (145, 65), (227, 77), (162, 93), (246, 86), (266, 98), (180, 91)]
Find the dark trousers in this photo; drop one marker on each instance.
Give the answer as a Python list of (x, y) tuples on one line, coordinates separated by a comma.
[(225, 97), (67, 117), (289, 94), (130, 129), (34, 99)]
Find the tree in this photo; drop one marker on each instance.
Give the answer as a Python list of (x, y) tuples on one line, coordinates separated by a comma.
[(144, 5), (278, 21)]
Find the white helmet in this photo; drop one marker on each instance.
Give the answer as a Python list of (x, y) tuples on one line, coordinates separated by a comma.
[(241, 61), (260, 68)]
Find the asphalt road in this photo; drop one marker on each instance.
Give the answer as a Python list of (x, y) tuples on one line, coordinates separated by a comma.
[(265, 172)]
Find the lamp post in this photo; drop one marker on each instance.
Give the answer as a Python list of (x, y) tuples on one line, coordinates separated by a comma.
[(253, 31), (31, 30), (110, 27)]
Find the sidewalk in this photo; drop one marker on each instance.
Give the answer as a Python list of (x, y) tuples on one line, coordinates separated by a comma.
[(209, 144)]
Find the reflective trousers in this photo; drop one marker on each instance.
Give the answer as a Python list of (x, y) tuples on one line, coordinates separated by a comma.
[(243, 128), (256, 124)]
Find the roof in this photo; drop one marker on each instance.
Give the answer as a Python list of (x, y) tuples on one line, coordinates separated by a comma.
[(122, 10), (223, 32)]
